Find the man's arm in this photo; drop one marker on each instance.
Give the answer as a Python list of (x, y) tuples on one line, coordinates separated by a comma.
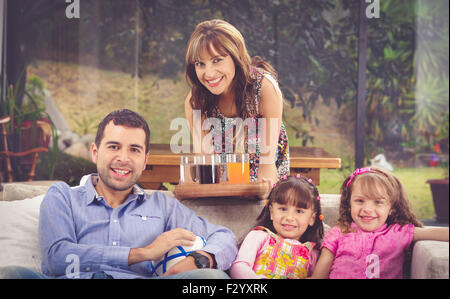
[(220, 241), (188, 264), (162, 244)]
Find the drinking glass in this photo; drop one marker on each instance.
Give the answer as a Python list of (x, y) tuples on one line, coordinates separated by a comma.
[(223, 162), (209, 169), (188, 169), (238, 168)]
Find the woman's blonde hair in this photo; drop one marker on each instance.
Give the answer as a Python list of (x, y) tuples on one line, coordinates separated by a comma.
[(377, 183), (226, 40)]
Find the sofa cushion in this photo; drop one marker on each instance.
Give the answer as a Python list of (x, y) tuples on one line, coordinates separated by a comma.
[(18, 191), (19, 233), (430, 260), (329, 204)]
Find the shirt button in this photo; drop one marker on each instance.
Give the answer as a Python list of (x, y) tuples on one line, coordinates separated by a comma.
[(114, 243), (115, 220)]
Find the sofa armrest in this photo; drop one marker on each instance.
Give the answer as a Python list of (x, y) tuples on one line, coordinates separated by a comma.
[(430, 260)]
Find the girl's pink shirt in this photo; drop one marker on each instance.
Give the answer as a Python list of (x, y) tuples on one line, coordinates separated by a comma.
[(254, 245), (361, 254)]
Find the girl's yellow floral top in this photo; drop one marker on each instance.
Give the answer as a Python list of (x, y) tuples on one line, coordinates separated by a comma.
[(283, 258)]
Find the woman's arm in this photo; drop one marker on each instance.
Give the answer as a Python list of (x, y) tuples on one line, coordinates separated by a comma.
[(271, 109), (188, 111), (323, 266), (195, 121), (431, 233)]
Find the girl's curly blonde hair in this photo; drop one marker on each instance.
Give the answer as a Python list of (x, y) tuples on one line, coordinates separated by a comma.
[(377, 182)]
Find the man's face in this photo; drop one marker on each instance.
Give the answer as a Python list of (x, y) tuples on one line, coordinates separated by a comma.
[(121, 157)]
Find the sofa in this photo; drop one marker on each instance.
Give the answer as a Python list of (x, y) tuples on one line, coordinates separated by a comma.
[(19, 215)]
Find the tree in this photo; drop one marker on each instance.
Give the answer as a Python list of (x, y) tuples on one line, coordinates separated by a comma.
[(21, 34)]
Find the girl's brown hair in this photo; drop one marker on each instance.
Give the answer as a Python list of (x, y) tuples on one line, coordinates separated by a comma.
[(301, 193), (226, 40), (377, 183)]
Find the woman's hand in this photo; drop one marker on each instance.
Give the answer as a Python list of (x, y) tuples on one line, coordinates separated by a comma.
[(267, 173), (270, 186)]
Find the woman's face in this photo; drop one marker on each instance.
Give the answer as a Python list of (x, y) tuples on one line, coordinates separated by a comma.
[(215, 71)]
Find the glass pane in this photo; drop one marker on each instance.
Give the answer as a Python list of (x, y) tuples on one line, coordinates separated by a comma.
[(407, 100), (105, 55)]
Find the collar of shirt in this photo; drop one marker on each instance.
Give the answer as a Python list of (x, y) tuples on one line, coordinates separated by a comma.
[(380, 229), (92, 195)]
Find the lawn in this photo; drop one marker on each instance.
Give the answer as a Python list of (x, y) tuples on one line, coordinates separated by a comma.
[(413, 179)]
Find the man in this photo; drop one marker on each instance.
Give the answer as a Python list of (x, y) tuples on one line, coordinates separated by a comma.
[(109, 228)]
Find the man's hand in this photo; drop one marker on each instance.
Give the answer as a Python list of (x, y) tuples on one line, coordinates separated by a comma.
[(188, 264), (162, 244)]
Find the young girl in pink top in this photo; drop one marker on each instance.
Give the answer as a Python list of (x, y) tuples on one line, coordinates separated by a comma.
[(289, 228), (376, 227)]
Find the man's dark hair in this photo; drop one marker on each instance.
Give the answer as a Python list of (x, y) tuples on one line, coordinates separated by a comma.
[(124, 117)]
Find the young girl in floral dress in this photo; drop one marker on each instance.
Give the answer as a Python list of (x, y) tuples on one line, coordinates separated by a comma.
[(288, 231)]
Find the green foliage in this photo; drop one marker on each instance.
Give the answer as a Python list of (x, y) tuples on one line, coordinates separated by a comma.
[(87, 124), (312, 44), (407, 77), (33, 109), (69, 169), (34, 91), (151, 36), (431, 100)]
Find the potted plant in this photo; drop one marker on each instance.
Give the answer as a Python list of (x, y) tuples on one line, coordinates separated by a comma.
[(29, 127), (440, 187)]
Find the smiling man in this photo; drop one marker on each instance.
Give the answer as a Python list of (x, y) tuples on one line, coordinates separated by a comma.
[(120, 152), (108, 227)]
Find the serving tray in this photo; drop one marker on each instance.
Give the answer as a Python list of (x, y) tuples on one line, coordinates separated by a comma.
[(249, 190)]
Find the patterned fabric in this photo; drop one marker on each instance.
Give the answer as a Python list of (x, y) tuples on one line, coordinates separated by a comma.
[(283, 258), (251, 139), (361, 254)]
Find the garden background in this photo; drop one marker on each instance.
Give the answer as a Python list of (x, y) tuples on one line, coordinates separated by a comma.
[(130, 54)]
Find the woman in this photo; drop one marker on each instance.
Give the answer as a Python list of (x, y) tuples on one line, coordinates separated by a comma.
[(228, 85)]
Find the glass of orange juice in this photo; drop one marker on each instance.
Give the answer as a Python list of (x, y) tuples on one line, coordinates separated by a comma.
[(238, 168)]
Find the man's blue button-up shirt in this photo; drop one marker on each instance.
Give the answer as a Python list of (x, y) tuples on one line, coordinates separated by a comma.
[(80, 234)]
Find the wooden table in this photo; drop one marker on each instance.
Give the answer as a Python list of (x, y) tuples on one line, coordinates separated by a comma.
[(164, 166)]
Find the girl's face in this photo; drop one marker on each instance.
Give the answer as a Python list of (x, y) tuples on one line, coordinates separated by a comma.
[(369, 213), (215, 71), (290, 221)]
